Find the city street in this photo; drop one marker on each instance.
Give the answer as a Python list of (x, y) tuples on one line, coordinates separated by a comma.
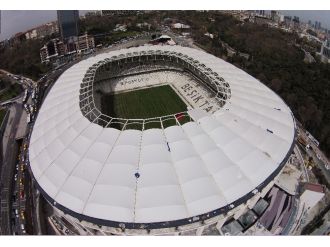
[(9, 154), (319, 158), (14, 184)]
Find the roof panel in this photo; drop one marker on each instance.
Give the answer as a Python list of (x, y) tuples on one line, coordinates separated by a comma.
[(183, 171)]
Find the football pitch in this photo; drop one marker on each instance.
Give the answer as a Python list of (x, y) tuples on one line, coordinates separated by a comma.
[(143, 103)]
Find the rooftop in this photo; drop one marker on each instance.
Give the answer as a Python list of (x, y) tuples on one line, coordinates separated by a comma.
[(184, 171), (314, 187)]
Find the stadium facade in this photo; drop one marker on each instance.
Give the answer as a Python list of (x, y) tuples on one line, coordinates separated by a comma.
[(111, 175)]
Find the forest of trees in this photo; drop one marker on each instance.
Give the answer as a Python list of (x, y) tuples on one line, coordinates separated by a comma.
[(102, 27), (23, 58), (8, 90)]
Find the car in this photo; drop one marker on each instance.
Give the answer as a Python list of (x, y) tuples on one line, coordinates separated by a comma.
[(327, 167), (25, 146), (22, 194), (22, 215), (318, 156)]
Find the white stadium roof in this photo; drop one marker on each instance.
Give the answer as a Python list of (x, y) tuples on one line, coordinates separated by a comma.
[(212, 162)]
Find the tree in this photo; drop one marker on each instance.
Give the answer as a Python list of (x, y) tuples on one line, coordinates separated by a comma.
[(276, 84)]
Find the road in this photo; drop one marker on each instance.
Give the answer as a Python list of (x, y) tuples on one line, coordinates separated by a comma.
[(9, 154), (316, 149), (10, 189), (320, 164), (301, 161), (26, 82)]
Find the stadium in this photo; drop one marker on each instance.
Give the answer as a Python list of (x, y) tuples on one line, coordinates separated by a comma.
[(157, 140)]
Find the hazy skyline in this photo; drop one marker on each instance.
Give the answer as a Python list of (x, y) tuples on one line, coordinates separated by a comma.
[(15, 21), (314, 15)]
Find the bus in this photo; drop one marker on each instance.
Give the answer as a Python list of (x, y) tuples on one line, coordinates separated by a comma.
[(312, 138), (28, 118), (25, 95), (302, 141), (33, 94)]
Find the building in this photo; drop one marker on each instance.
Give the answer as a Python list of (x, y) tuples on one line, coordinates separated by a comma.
[(57, 48), (42, 31), (31, 34), (120, 28), (325, 51), (163, 39), (287, 21), (317, 25), (85, 42), (4, 43), (260, 12), (311, 195), (68, 23), (310, 23), (50, 51), (44, 54), (61, 48), (144, 25), (17, 38), (93, 13), (296, 23), (118, 12), (275, 16), (180, 26), (47, 29), (209, 35), (105, 177), (261, 20)]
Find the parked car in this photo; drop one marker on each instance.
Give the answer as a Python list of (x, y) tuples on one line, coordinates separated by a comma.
[(22, 215)]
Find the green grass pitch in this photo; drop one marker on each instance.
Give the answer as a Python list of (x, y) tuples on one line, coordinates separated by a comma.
[(143, 103)]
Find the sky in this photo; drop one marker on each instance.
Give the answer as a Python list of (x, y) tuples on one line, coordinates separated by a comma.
[(314, 15), (13, 21), (17, 21)]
